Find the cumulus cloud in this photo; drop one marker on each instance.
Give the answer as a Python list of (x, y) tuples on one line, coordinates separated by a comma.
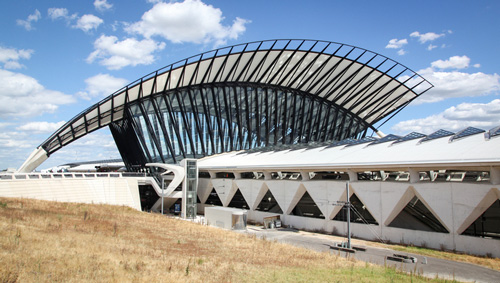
[(450, 84), (396, 43), (115, 54), (31, 18), (57, 13), (41, 127), (21, 95), (457, 84), (88, 22), (455, 62), (102, 5), (423, 38), (10, 57), (188, 21), (15, 140), (102, 85), (480, 115)]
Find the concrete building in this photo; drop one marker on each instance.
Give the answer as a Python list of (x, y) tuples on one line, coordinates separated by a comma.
[(278, 127)]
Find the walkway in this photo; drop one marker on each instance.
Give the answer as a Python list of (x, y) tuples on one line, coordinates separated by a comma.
[(433, 267)]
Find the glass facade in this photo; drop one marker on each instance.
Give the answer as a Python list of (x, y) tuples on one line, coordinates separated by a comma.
[(190, 187), (199, 121)]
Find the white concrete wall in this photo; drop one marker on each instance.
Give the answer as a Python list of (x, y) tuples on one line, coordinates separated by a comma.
[(455, 204), (102, 190)]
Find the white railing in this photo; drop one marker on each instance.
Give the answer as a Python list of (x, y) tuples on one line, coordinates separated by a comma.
[(68, 175)]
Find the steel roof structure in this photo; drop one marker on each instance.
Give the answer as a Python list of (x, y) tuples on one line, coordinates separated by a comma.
[(246, 96)]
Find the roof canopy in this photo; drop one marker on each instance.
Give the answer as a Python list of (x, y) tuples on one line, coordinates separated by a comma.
[(365, 85)]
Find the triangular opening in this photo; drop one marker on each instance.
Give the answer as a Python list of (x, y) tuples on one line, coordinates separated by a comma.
[(359, 212), (416, 216), (213, 198), (198, 199), (238, 201), (306, 207), (488, 224), (269, 204)]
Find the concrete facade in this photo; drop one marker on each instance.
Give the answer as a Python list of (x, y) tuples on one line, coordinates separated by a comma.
[(100, 188), (456, 205)]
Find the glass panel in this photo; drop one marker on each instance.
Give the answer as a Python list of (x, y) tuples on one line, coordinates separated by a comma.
[(306, 207), (416, 216)]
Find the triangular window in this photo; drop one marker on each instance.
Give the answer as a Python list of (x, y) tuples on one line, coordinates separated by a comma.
[(416, 216), (213, 198), (269, 204), (238, 201), (307, 207), (488, 224), (359, 213)]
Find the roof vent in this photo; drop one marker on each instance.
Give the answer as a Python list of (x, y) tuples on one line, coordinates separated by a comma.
[(410, 136), (387, 138), (436, 135), (492, 133), (466, 132)]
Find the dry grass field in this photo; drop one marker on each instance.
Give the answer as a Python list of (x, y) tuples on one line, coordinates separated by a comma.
[(49, 241)]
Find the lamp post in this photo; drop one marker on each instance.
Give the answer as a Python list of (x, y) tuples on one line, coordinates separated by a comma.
[(348, 205), (162, 192)]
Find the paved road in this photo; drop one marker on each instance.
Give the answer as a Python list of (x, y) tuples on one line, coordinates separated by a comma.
[(433, 267)]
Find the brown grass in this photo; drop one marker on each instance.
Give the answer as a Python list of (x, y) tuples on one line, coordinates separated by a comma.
[(49, 241)]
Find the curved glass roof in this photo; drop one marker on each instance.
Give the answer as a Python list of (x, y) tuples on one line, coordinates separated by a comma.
[(364, 83)]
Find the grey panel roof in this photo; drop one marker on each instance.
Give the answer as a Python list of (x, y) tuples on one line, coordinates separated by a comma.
[(472, 151)]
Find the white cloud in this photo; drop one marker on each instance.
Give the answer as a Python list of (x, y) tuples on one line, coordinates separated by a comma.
[(31, 18), (423, 38), (41, 127), (21, 95), (188, 21), (15, 140), (58, 13), (401, 52), (457, 84), (116, 54), (395, 43), (88, 22), (430, 47), (480, 115), (102, 5), (476, 65), (455, 62), (11, 56), (102, 85)]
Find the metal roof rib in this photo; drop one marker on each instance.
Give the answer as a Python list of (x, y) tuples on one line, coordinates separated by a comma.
[(273, 68)]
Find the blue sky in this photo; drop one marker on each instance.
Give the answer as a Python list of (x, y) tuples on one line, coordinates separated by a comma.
[(59, 57)]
